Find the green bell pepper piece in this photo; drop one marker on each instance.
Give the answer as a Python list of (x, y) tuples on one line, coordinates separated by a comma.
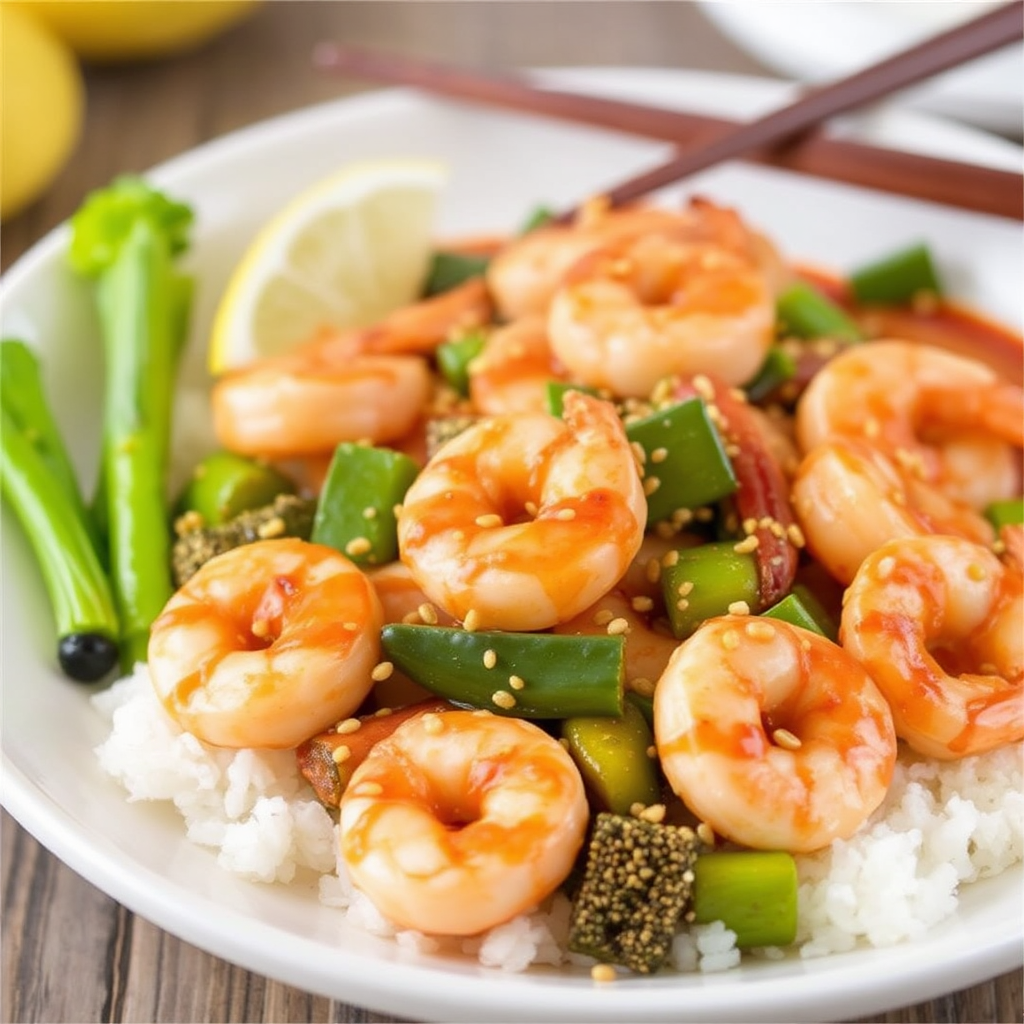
[(1009, 512), (223, 485), (801, 608), (705, 581), (805, 312), (454, 357), (897, 278)]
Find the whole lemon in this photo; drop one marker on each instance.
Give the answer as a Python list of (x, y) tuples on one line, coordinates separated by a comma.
[(124, 30), (41, 108)]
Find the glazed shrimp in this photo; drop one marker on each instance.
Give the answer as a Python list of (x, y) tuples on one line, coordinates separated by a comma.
[(523, 521), (946, 418), (512, 373), (648, 643), (850, 499), (458, 822), (937, 622), (631, 314), (524, 275), (772, 734), (307, 402), (266, 645)]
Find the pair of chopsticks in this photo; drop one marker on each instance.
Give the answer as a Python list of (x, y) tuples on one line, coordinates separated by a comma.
[(783, 138)]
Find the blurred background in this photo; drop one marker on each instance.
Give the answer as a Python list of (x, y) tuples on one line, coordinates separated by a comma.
[(94, 89)]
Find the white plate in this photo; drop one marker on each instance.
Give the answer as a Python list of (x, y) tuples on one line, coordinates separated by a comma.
[(817, 41), (501, 166)]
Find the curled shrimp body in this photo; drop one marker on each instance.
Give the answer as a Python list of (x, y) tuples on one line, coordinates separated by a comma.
[(937, 622), (512, 373), (946, 418), (266, 645), (772, 734), (307, 402), (849, 499), (526, 520), (633, 313), (457, 822)]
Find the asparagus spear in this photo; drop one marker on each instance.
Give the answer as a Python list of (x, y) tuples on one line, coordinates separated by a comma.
[(125, 238), (38, 482)]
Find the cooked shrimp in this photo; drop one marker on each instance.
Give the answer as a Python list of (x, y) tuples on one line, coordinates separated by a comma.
[(458, 822), (512, 373), (525, 274), (948, 419), (266, 645), (648, 644), (937, 622), (772, 734), (850, 499), (307, 402), (630, 314), (523, 521)]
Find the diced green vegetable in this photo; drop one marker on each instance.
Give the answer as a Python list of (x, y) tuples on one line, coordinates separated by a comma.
[(37, 481), (897, 278), (612, 756), (637, 886), (801, 608), (778, 368), (356, 510), (528, 675), (454, 357), (223, 485), (705, 581), (287, 516), (556, 395), (450, 269), (685, 455), (537, 218), (805, 312), (752, 892), (1009, 512), (126, 238), (644, 704)]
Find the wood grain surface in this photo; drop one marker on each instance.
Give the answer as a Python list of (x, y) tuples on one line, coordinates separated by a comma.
[(69, 953)]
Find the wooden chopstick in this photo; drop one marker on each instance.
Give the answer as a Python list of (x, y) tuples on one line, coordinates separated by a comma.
[(981, 189), (948, 49)]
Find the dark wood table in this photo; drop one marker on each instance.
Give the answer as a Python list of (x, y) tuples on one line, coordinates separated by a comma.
[(70, 953)]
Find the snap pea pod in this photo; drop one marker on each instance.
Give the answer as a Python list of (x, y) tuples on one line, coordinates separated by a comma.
[(805, 312), (897, 278), (528, 675), (356, 509), (778, 368), (37, 482), (450, 269), (613, 756)]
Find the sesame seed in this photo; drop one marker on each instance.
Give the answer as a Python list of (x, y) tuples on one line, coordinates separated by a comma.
[(490, 658), (640, 603), (805, 644), (730, 639), (566, 514), (639, 454), (669, 559), (382, 712), (652, 570), (739, 608), (885, 567), (705, 833), (516, 682), (796, 536), (503, 699), (659, 455), (642, 686), (358, 546), (759, 630), (603, 972), (748, 544), (369, 789), (432, 723), (428, 613), (340, 754), (397, 509), (369, 512), (602, 617), (651, 484), (471, 622), (489, 520), (636, 809), (347, 726), (976, 572), (260, 628), (382, 671), (655, 813), (787, 740), (703, 386), (530, 508), (411, 618), (749, 525), (682, 604), (652, 751), (273, 527), (618, 627), (685, 588)]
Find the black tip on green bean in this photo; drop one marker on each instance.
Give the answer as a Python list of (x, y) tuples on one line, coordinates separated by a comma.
[(87, 657)]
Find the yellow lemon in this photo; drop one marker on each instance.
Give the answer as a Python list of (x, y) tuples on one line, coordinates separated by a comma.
[(123, 30), (41, 108), (343, 253)]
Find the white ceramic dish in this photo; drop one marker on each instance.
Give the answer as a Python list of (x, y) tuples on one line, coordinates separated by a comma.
[(816, 41), (501, 166)]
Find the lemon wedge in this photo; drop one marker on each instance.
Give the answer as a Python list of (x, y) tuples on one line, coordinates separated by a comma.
[(343, 253)]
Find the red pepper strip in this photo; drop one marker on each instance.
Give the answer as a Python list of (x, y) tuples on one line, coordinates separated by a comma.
[(329, 776), (762, 493)]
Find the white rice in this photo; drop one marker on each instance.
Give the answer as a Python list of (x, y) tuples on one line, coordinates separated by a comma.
[(942, 826)]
